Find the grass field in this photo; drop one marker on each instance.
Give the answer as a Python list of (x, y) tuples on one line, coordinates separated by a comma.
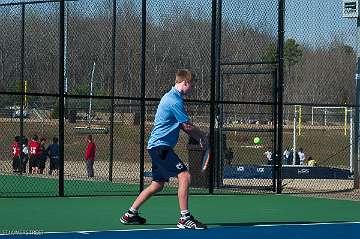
[(327, 145)]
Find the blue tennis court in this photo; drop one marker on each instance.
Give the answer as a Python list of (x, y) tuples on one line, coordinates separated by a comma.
[(227, 216), (285, 231)]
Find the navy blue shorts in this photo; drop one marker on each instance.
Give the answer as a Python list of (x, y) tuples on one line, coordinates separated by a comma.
[(165, 163)]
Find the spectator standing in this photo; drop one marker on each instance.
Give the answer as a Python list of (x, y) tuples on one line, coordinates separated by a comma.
[(90, 155), (16, 160), (43, 156), (25, 154), (286, 157), (35, 154), (53, 153), (269, 157), (301, 155)]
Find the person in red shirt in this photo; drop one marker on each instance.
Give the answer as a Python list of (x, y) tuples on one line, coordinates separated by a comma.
[(35, 154), (90, 155), (16, 164)]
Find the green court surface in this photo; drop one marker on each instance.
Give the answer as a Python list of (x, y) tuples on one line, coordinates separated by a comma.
[(103, 213)]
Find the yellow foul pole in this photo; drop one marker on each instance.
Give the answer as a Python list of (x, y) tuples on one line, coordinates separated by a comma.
[(25, 98)]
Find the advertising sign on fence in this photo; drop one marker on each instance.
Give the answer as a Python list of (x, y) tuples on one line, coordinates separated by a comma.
[(350, 8)]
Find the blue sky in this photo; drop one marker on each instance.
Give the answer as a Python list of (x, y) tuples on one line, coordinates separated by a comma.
[(310, 22), (318, 22)]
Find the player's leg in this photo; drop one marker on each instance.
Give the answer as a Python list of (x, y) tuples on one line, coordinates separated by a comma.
[(153, 188), (186, 220), (184, 179), (169, 165), (132, 216), (158, 156)]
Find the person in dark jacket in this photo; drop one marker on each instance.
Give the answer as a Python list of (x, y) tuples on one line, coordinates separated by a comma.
[(53, 153), (43, 156)]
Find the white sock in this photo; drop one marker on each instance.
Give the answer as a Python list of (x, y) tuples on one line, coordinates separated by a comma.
[(184, 214), (132, 212)]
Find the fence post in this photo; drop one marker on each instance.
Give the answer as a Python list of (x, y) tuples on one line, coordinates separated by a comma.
[(142, 103), (61, 95), (280, 85)]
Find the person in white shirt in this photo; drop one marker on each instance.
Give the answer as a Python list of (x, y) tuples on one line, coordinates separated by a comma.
[(286, 156), (25, 154), (268, 155), (301, 156)]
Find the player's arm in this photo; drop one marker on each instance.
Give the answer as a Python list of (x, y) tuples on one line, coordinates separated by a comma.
[(195, 132), (183, 118)]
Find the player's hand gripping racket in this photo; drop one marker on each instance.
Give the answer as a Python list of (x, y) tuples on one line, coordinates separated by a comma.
[(205, 158)]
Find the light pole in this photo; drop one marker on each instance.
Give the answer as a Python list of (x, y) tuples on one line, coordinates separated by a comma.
[(351, 10), (357, 102), (65, 57)]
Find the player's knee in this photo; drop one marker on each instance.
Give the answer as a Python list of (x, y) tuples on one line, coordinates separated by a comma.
[(189, 178), (185, 177), (156, 187), (160, 188)]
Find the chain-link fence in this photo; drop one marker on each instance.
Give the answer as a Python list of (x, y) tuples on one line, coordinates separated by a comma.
[(120, 57), (319, 85)]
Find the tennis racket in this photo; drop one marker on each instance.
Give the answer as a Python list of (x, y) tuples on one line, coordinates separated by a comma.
[(205, 158)]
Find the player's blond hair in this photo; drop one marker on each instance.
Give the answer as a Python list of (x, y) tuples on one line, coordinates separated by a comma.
[(183, 75)]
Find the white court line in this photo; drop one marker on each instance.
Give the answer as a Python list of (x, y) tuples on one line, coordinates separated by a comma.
[(305, 224), (88, 232), (175, 228), (120, 230)]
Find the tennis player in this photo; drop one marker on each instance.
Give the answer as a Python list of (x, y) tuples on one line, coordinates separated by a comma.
[(169, 119)]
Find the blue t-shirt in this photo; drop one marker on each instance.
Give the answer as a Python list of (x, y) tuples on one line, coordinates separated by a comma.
[(53, 150), (169, 116)]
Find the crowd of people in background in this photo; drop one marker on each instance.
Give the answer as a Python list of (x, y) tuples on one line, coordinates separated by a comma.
[(288, 157), (34, 155), (300, 159)]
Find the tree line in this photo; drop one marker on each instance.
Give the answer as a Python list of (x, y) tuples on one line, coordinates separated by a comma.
[(312, 74)]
